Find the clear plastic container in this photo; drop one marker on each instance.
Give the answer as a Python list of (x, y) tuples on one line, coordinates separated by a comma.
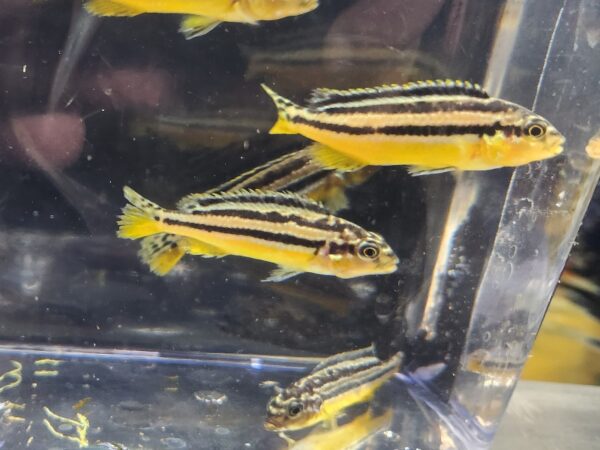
[(98, 352)]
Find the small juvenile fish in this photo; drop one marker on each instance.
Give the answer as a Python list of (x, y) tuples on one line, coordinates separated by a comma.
[(295, 172), (295, 233), (432, 126), (335, 384), (202, 16)]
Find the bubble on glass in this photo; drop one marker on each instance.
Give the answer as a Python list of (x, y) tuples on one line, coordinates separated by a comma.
[(174, 442), (212, 398), (222, 431)]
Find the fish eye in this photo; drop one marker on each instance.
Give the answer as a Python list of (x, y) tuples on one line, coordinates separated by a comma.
[(368, 250), (535, 130), (294, 409)]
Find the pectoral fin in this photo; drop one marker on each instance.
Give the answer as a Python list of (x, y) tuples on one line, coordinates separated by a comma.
[(196, 26), (110, 8), (332, 159), (417, 171), (280, 274)]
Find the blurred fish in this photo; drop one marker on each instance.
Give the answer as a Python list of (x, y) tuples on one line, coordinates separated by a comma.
[(567, 348), (342, 61), (291, 231), (348, 436), (432, 126), (335, 384), (593, 147), (202, 16), (201, 131), (295, 172)]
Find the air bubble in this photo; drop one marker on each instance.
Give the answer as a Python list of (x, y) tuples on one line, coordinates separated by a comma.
[(174, 442)]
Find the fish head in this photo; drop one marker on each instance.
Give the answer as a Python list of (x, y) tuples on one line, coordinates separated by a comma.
[(278, 9), (293, 410), (364, 253), (533, 139)]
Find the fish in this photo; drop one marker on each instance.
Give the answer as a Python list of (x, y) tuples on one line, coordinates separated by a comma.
[(297, 234), (333, 385), (593, 147), (293, 172), (202, 131), (202, 16), (314, 56), (431, 126), (347, 436)]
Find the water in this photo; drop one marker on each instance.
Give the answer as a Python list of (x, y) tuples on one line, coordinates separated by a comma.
[(177, 361)]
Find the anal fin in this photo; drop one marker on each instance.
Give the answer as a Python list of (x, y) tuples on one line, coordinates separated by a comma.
[(196, 26), (161, 252), (417, 171), (111, 8), (332, 159), (280, 274)]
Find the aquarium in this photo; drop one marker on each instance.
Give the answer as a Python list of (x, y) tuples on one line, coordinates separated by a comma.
[(404, 305)]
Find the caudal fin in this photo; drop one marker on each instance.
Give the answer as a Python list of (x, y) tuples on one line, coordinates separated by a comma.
[(140, 217), (283, 124), (161, 252), (110, 8)]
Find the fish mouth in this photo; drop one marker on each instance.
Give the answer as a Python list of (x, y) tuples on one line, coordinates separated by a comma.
[(272, 424)]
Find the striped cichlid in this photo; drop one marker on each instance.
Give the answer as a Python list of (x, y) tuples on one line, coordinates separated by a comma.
[(335, 384), (429, 125), (297, 234), (294, 172), (202, 16)]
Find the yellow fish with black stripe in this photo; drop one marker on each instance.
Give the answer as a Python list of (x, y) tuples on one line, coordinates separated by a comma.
[(295, 233), (202, 16), (340, 381), (294, 172), (430, 125)]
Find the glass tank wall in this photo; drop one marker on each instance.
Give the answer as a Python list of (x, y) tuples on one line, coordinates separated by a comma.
[(97, 351)]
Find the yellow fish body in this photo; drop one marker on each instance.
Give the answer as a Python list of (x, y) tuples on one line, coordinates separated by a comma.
[(291, 231), (335, 384), (204, 15), (347, 436), (294, 172), (429, 125)]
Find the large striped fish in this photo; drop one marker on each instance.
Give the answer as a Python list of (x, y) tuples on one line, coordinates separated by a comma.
[(429, 125), (295, 233), (294, 172), (335, 384)]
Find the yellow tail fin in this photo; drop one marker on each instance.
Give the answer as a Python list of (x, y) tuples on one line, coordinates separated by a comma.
[(140, 217), (283, 125), (161, 252), (110, 8)]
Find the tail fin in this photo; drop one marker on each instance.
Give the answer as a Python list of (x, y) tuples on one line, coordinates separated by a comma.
[(140, 217), (110, 8), (283, 125), (161, 252)]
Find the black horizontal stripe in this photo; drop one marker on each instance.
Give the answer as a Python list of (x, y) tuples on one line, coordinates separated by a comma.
[(412, 130), (364, 377), (309, 182), (263, 198), (276, 217), (418, 107), (416, 90), (285, 239), (266, 174)]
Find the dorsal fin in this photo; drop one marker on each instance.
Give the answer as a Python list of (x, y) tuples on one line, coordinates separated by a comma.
[(249, 199), (324, 96), (345, 356)]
